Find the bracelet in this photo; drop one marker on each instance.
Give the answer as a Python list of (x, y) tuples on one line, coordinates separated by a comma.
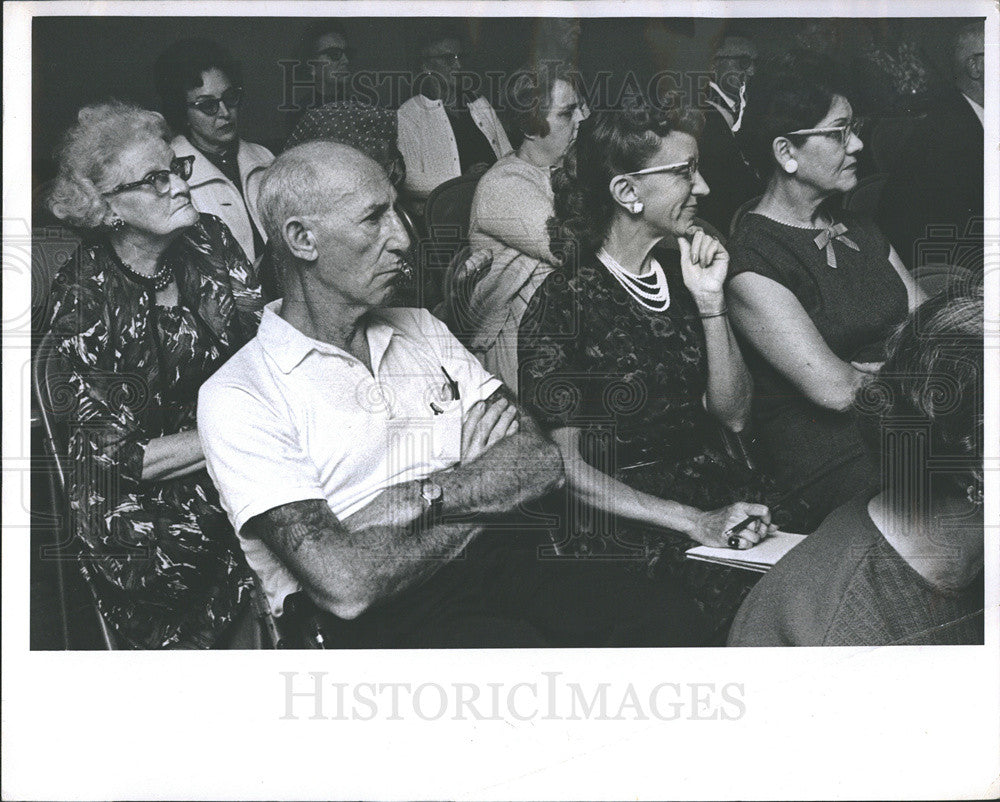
[(720, 313)]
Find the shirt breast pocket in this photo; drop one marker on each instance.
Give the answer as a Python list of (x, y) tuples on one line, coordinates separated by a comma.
[(447, 442)]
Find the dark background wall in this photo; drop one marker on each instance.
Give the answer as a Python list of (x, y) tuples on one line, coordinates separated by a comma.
[(83, 59)]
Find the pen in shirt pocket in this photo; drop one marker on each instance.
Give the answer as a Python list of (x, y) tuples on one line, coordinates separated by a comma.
[(450, 388)]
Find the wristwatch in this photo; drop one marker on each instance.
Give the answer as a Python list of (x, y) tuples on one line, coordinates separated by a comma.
[(433, 495)]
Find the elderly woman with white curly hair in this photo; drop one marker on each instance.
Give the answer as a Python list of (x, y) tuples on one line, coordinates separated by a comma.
[(159, 298)]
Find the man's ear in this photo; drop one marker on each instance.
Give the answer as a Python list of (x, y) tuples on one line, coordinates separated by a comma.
[(623, 191), (299, 239), (973, 68)]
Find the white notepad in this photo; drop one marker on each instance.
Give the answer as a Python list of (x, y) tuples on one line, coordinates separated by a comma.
[(760, 558)]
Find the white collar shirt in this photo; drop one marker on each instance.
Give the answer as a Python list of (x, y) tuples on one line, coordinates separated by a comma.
[(290, 418)]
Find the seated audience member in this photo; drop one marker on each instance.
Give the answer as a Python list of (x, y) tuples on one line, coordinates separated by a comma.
[(627, 356), (360, 450), (160, 300), (510, 214), (370, 129), (200, 87), (904, 565), (938, 182), (813, 290), (442, 132), (732, 180), (325, 54)]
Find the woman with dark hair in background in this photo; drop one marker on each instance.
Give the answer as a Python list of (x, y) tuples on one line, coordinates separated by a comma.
[(511, 210), (627, 356), (903, 565), (201, 89), (814, 290), (141, 319)]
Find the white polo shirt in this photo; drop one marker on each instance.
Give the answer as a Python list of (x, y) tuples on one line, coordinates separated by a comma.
[(290, 418)]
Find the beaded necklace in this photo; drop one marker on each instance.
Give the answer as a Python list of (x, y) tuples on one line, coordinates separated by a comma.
[(649, 290)]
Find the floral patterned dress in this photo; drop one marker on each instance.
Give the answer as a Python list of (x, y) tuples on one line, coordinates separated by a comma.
[(161, 556), (632, 381)]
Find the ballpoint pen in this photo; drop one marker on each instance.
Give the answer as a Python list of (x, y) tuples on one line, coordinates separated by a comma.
[(452, 389), (732, 533)]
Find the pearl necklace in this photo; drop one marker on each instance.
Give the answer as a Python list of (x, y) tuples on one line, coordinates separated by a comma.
[(649, 291), (791, 224)]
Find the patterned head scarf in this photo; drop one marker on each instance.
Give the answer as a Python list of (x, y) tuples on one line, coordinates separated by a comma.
[(370, 129)]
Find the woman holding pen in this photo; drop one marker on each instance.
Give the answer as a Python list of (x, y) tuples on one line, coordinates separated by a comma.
[(627, 356)]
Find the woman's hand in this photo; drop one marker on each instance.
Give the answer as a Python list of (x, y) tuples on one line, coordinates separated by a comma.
[(463, 274), (704, 265), (710, 527)]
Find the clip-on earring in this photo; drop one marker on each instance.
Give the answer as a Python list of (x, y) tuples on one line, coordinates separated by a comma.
[(791, 166), (974, 493), (636, 207), (116, 224)]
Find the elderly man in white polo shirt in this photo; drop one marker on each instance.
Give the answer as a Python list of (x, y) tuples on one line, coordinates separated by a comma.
[(360, 450)]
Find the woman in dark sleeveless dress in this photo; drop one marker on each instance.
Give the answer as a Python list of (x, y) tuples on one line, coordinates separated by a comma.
[(814, 290), (627, 356)]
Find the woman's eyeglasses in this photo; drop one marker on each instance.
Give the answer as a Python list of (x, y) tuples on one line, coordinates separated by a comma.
[(209, 106), (159, 179), (842, 132), (688, 169), (446, 58)]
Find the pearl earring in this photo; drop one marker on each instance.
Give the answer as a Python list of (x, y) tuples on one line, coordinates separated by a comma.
[(791, 166), (636, 207)]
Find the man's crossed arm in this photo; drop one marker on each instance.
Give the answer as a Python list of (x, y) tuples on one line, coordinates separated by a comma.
[(346, 566)]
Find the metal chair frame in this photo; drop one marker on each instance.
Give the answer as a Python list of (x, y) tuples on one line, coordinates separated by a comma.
[(45, 370)]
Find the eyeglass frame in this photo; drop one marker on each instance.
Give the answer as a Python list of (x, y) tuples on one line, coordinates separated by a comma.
[(691, 165), (853, 127), (345, 52), (448, 58), (179, 165), (217, 101)]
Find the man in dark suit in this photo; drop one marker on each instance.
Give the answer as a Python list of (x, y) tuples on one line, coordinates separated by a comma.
[(729, 178), (934, 198)]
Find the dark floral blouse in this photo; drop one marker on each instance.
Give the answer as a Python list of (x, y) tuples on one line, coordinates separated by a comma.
[(162, 557), (633, 381)]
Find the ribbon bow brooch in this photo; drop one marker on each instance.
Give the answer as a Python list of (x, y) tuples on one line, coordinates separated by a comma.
[(825, 238)]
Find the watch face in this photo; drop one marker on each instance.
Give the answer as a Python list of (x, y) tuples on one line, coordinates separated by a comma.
[(431, 491)]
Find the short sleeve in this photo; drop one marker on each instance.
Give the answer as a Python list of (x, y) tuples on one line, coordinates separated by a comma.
[(475, 382), (252, 452), (752, 251)]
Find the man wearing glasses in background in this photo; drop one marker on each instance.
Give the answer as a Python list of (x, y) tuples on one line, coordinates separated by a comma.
[(722, 164), (443, 133)]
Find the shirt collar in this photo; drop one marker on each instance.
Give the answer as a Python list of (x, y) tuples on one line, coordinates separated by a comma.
[(730, 103), (976, 108), (288, 346)]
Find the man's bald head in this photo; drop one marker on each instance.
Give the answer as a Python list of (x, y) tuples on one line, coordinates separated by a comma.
[(309, 179)]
